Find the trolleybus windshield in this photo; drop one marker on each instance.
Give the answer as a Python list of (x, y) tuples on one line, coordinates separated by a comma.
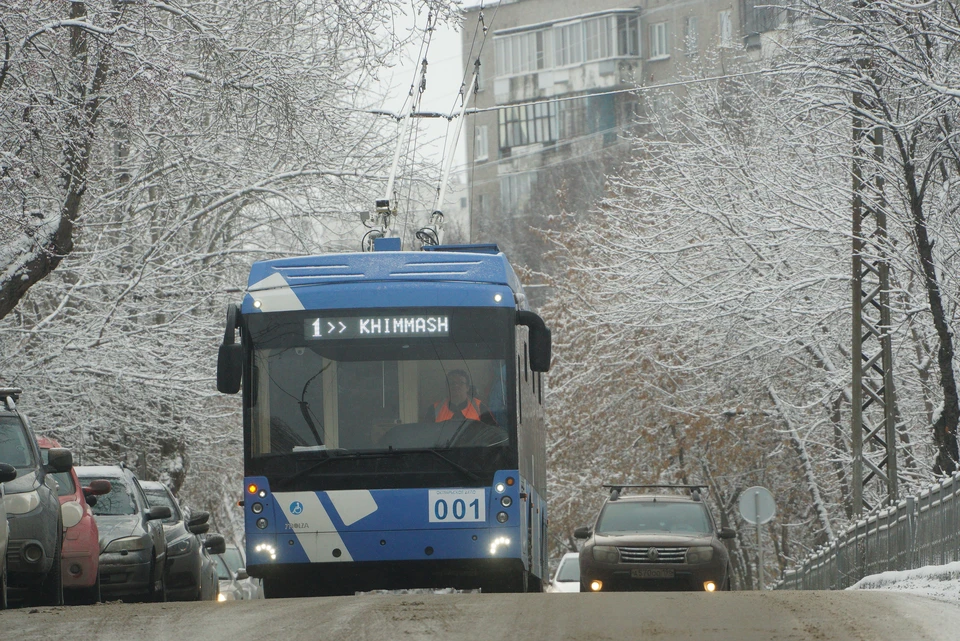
[(334, 384)]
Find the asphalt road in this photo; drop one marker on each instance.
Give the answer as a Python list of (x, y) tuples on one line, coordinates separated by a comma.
[(744, 616)]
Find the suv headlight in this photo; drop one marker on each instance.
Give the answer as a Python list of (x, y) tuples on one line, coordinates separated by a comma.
[(181, 546), (126, 544), (606, 554), (699, 555), (22, 503)]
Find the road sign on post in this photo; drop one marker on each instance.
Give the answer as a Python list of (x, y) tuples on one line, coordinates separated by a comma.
[(757, 506)]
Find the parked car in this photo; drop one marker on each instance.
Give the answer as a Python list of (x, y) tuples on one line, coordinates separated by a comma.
[(235, 583), (80, 557), (32, 506), (7, 473), (191, 571), (567, 576), (133, 546), (654, 542)]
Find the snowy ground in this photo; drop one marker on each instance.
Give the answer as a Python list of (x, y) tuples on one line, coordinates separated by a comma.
[(941, 582)]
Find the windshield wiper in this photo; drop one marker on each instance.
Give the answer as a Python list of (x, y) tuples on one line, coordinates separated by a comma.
[(465, 470), (330, 455)]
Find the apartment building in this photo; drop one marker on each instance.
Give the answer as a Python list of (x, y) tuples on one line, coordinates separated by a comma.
[(555, 99)]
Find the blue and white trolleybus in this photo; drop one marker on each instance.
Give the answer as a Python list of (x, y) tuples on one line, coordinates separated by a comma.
[(359, 475)]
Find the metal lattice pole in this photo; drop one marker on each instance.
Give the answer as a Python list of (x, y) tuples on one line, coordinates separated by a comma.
[(873, 399)]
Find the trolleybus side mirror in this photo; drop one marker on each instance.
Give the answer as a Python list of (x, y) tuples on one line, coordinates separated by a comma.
[(540, 341), (230, 356)]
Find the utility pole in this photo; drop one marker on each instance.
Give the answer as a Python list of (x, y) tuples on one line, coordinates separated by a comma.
[(874, 413)]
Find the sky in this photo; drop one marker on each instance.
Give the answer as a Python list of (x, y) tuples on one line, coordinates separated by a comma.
[(444, 77)]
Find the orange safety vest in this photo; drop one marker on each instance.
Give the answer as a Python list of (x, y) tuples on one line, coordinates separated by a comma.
[(444, 413)]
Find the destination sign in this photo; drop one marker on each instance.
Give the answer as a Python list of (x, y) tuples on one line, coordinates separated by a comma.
[(376, 327)]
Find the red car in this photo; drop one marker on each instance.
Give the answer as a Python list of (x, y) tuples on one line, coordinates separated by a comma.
[(81, 544)]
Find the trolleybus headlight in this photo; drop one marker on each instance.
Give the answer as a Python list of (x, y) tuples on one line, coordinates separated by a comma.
[(497, 543), (502, 517), (596, 586), (262, 523), (267, 549), (500, 487), (262, 494), (497, 298), (257, 304), (257, 508), (709, 586), (506, 501)]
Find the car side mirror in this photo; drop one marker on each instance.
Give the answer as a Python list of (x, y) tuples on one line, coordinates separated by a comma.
[(97, 488), (242, 574), (59, 459), (91, 500), (215, 543), (198, 528), (159, 512), (7, 472), (727, 533), (540, 340), (198, 518), (582, 532)]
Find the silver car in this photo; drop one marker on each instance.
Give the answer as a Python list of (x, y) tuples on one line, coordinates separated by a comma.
[(235, 583)]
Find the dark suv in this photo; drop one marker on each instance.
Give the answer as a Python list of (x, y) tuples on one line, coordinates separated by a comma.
[(133, 547), (654, 542), (33, 507)]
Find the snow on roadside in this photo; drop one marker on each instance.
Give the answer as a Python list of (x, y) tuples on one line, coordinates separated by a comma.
[(941, 582)]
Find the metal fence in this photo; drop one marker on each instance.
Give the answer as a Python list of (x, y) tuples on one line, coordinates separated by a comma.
[(919, 531)]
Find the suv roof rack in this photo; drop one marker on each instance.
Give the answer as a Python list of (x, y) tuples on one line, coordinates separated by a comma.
[(10, 396), (617, 489)]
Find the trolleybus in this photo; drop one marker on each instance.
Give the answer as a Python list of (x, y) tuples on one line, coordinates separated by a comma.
[(359, 475)]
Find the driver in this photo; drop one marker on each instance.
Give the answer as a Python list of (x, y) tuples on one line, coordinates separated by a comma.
[(459, 402)]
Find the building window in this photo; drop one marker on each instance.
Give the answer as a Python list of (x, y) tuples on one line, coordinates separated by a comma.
[(522, 53), (725, 23), (599, 37), (658, 41), (628, 35), (691, 36), (527, 124), (569, 44), (515, 190), (480, 148)]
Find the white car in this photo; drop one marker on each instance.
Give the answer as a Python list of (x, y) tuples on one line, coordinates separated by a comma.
[(567, 576), (235, 583)]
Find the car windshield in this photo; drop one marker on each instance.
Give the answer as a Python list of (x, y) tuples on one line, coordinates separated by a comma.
[(569, 569), (118, 502), (390, 382), (15, 447), (628, 517), (158, 497), (223, 572), (233, 558)]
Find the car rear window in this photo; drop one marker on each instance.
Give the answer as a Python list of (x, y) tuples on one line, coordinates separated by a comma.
[(119, 501), (647, 516), (15, 449)]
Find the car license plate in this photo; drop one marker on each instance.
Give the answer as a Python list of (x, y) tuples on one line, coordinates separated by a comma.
[(651, 573)]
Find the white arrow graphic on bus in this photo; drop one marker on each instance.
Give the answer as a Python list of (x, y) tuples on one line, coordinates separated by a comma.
[(342, 327), (330, 327)]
